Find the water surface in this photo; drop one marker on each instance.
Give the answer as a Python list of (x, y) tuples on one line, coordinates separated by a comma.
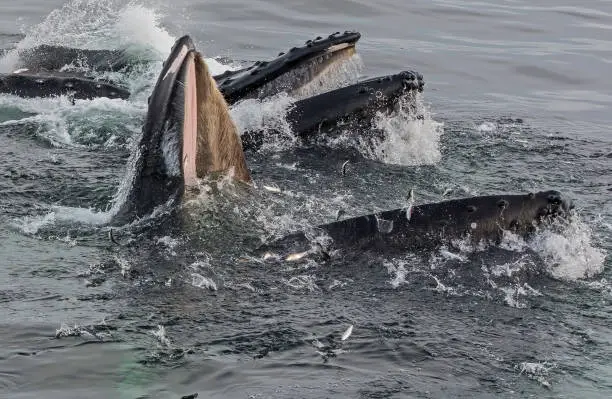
[(517, 99)]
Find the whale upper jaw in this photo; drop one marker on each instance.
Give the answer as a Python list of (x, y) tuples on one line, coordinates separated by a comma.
[(265, 78)]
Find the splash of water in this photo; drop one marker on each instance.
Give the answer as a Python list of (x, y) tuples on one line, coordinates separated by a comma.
[(536, 371), (161, 336), (99, 122), (411, 137), (567, 248), (268, 115), (31, 225), (570, 253), (95, 24)]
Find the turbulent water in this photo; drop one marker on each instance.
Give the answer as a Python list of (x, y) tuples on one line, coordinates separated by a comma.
[(517, 99)]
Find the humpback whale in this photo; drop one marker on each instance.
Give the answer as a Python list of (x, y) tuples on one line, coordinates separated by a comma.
[(187, 133), (169, 157), (41, 76), (54, 58), (45, 84)]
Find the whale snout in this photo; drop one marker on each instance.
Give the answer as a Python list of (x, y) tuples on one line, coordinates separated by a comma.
[(555, 204)]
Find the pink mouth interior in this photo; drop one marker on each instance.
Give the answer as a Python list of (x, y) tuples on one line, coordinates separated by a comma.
[(190, 125)]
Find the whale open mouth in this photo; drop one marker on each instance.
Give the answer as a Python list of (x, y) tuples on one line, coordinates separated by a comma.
[(188, 134), (291, 70), (164, 163)]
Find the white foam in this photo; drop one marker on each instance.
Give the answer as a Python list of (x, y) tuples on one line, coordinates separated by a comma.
[(169, 243), (301, 282), (510, 268), (160, 334), (33, 224), (513, 294), (536, 371), (513, 242), (64, 122), (410, 141), (124, 265), (268, 115), (398, 272), (440, 287), (95, 24), (140, 25), (570, 253), (217, 68), (512, 297), (487, 127)]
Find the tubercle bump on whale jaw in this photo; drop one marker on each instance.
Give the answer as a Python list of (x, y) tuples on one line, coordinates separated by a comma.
[(236, 85)]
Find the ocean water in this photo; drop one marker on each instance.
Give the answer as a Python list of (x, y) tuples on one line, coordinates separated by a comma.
[(517, 99)]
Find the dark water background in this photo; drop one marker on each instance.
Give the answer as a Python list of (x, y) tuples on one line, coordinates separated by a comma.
[(519, 98)]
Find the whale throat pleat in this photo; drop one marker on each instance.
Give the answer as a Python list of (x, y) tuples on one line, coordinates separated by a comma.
[(219, 147)]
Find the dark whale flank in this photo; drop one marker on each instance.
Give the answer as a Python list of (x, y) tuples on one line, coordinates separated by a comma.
[(244, 83), (431, 225), (54, 58), (158, 174), (46, 84)]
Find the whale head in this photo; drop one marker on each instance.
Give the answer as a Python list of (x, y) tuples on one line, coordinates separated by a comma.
[(187, 133)]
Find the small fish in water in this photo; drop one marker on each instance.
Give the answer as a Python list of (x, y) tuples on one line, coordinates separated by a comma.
[(268, 255), (21, 70), (344, 165), (111, 237), (347, 333), (410, 204), (296, 256), (272, 189), (341, 213)]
